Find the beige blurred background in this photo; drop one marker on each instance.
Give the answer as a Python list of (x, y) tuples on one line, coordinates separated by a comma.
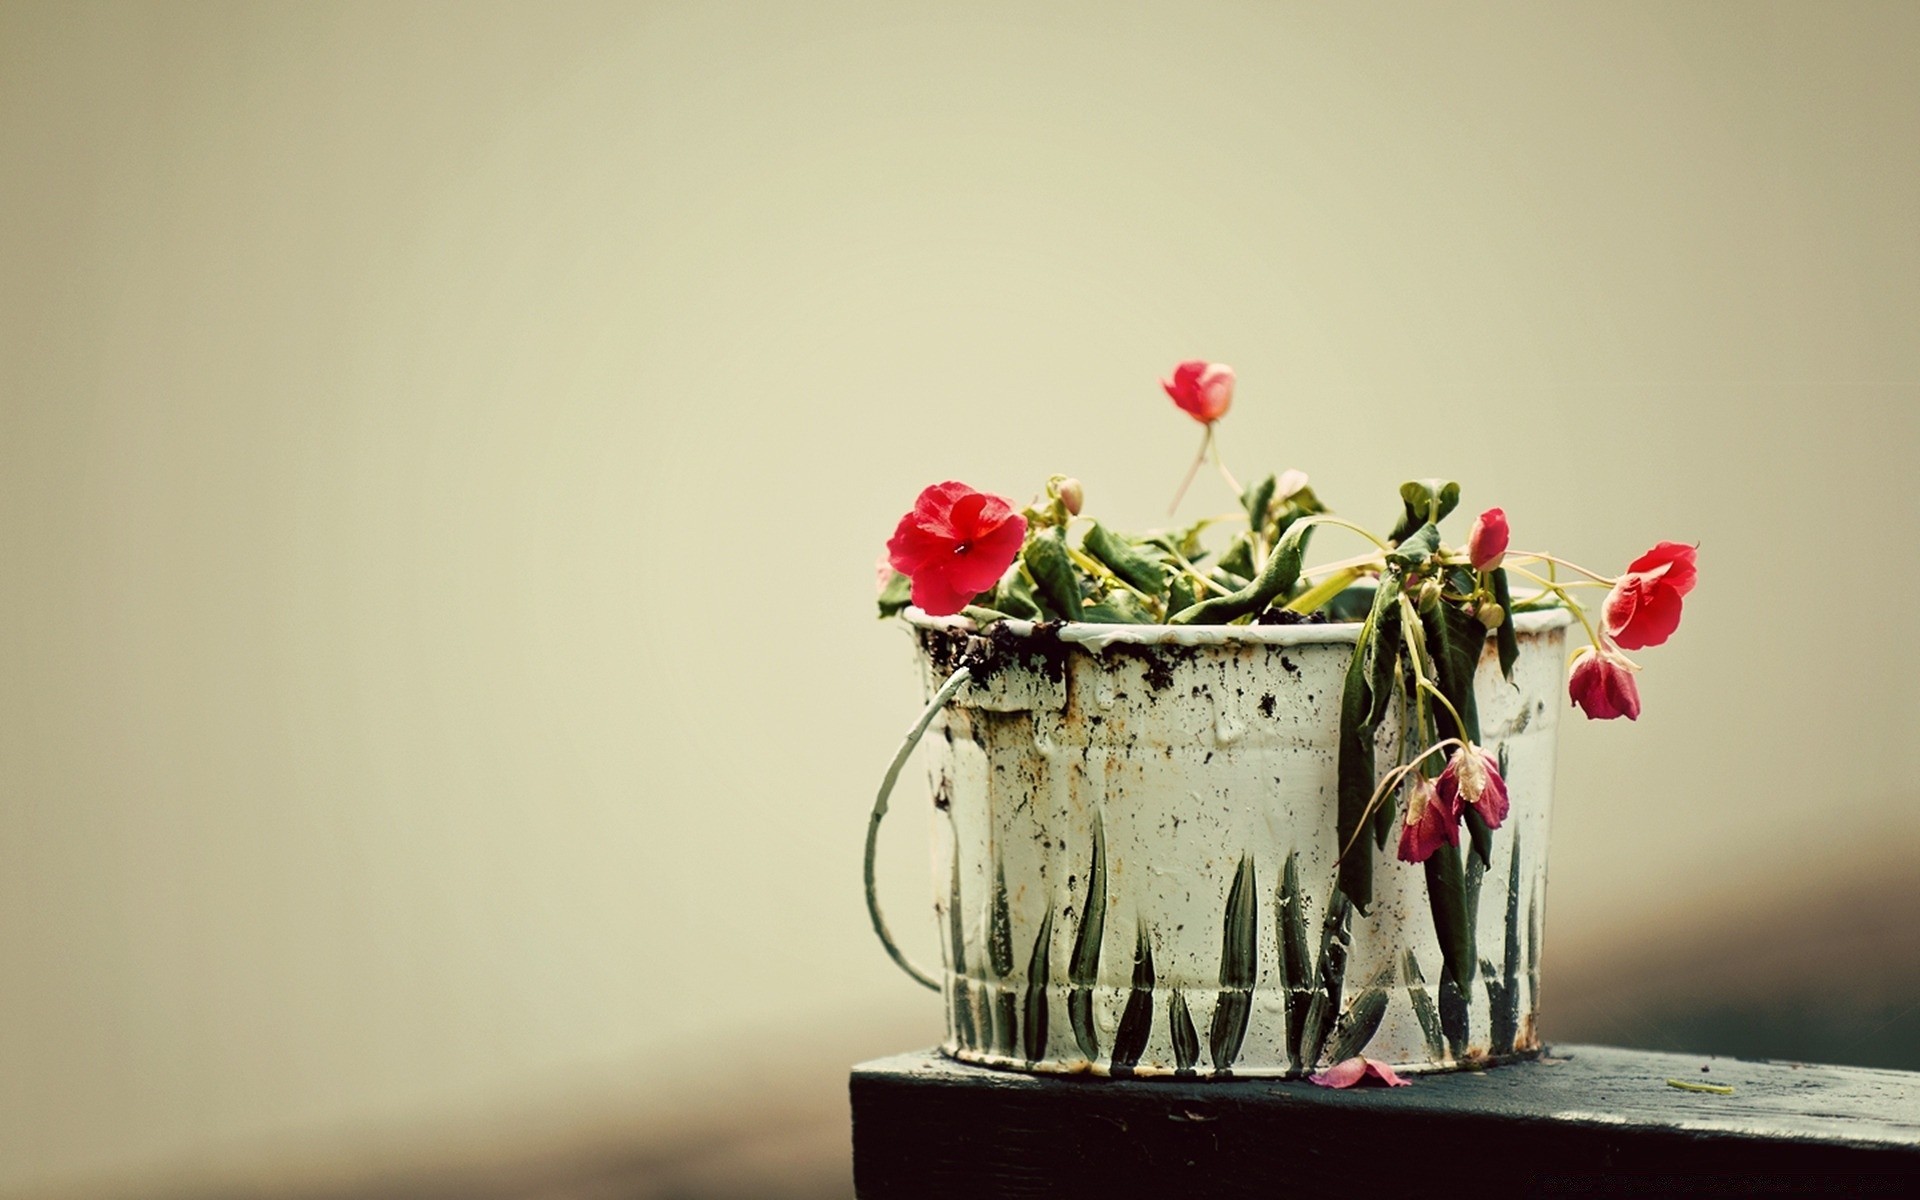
[(443, 450)]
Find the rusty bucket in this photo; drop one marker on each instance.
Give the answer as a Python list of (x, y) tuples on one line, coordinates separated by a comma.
[(1134, 855)]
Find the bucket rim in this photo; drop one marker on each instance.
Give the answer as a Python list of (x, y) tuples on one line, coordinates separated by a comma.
[(1096, 636)]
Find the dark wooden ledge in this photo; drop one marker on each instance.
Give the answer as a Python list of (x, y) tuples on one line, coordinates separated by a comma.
[(1584, 1120)]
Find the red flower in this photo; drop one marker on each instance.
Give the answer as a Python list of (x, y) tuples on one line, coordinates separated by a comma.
[(1429, 821), (1643, 609), (1203, 389), (1487, 541), (954, 545), (1602, 685), (1472, 780), (1353, 1070)]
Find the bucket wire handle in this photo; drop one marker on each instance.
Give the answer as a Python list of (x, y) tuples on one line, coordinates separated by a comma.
[(953, 684)]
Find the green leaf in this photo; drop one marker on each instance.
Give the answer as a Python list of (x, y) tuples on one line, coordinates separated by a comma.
[(1125, 560), (1238, 560), (1136, 1020), (1053, 575), (1118, 608), (1276, 578), (895, 597), (1363, 701), (1186, 1042), (982, 617), (1416, 548), (1452, 918), (1453, 1017), (1336, 941), (1296, 961), (1180, 595), (1038, 968), (1185, 542), (1423, 1010), (1083, 965), (1239, 964), (1014, 596), (1424, 501), (1256, 500), (1353, 604), (1506, 638), (1305, 503), (1454, 642), (1480, 838)]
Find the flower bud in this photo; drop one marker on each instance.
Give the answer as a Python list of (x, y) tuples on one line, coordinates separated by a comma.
[(1428, 597), (1072, 496), (1491, 614), (1487, 540)]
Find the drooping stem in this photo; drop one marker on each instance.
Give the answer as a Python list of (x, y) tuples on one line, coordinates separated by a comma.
[(1572, 566), (1560, 591), (1362, 530), (1206, 443), (1213, 444)]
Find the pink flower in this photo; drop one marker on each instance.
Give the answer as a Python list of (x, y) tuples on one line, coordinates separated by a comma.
[(954, 545), (1643, 609), (1487, 541), (1203, 389), (1602, 685), (1472, 780), (1353, 1070), (1429, 821)]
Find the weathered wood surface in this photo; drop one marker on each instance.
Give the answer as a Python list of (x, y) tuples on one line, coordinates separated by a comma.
[(1585, 1119)]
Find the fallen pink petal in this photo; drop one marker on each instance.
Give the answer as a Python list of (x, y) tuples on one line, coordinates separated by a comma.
[(1355, 1071)]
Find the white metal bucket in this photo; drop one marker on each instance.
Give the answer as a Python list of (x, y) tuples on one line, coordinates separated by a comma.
[(1121, 802)]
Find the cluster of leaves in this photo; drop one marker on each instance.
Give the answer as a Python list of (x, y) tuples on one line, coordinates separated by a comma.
[(1424, 633), (1074, 568)]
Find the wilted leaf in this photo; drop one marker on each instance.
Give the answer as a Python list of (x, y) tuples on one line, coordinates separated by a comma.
[(1256, 500), (1276, 578), (1126, 561), (1053, 575), (1423, 502), (1505, 637)]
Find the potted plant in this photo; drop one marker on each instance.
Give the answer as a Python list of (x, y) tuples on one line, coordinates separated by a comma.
[(1209, 810)]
